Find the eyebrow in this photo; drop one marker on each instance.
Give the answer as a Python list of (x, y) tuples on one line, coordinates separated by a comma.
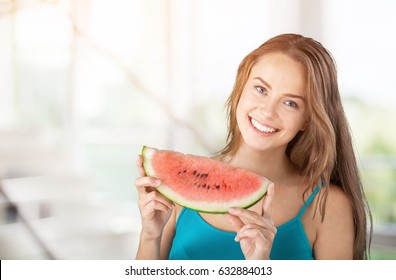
[(263, 82), (286, 94)]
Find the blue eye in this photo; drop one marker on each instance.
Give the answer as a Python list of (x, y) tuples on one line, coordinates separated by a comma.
[(261, 90), (291, 104)]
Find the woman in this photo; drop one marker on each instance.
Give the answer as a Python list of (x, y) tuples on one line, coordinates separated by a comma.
[(286, 122)]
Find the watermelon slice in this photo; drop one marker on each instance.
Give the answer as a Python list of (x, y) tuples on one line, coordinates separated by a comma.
[(201, 183)]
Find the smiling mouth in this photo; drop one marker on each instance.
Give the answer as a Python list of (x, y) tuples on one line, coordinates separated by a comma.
[(262, 128)]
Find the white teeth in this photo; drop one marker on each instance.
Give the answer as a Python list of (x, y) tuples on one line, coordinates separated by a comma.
[(261, 127)]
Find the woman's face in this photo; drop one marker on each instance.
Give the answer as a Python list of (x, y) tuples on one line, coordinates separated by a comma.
[(272, 107)]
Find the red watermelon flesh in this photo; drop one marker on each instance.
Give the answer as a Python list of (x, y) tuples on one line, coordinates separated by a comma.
[(202, 183)]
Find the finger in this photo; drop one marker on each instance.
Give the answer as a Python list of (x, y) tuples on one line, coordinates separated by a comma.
[(149, 210), (139, 164), (268, 228), (242, 233), (154, 201), (234, 221), (246, 215), (156, 196), (157, 205), (259, 236), (142, 183), (250, 225), (269, 231), (268, 200)]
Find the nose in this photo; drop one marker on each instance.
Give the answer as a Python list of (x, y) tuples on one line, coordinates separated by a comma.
[(269, 108)]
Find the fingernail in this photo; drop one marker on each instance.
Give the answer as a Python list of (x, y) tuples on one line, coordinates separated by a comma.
[(158, 182), (232, 210)]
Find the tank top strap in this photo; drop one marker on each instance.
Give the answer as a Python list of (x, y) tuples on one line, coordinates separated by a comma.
[(309, 201)]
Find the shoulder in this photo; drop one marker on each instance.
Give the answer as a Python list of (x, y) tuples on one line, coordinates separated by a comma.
[(335, 234), (338, 210), (337, 201)]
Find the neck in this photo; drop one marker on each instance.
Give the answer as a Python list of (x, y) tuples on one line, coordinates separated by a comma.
[(273, 164)]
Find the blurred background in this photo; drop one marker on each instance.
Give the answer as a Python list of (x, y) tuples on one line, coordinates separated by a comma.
[(84, 84)]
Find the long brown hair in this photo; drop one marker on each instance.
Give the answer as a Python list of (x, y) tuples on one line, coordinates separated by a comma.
[(323, 152)]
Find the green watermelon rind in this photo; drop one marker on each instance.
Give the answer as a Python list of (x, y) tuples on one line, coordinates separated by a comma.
[(167, 191)]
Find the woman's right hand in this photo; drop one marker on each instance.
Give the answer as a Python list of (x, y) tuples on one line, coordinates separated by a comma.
[(155, 209)]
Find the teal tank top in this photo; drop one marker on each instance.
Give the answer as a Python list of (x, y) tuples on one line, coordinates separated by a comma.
[(195, 239)]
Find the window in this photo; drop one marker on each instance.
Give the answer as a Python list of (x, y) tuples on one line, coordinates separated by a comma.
[(87, 83)]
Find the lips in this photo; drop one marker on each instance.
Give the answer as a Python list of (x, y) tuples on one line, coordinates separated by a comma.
[(262, 127)]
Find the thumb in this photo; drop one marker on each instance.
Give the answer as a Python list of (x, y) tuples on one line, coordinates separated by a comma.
[(268, 199)]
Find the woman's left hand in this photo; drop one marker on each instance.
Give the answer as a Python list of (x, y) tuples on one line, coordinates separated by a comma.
[(255, 232)]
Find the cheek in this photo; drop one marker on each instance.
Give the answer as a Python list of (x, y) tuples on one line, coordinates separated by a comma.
[(303, 121), (295, 123), (304, 125), (241, 107), (246, 102), (301, 126), (239, 114)]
